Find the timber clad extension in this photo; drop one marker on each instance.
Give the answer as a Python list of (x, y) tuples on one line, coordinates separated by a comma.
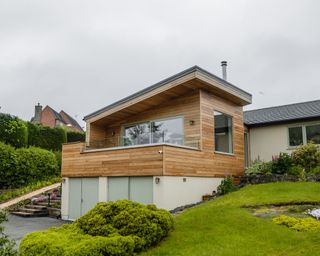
[(181, 162)]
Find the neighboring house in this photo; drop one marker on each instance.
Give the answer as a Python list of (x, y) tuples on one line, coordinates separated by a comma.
[(168, 144), (49, 117), (281, 129)]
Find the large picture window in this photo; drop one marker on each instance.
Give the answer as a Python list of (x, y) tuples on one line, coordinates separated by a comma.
[(223, 132), (157, 131), (303, 134)]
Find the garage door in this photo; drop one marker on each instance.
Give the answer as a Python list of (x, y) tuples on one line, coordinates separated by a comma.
[(83, 196), (139, 189)]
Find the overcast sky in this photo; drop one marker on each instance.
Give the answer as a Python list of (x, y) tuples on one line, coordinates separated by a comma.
[(80, 56)]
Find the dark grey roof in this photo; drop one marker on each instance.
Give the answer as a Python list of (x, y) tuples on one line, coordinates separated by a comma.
[(282, 114), (165, 81)]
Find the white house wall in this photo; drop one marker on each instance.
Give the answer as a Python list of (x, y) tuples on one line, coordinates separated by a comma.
[(169, 193), (65, 199), (172, 191), (268, 141)]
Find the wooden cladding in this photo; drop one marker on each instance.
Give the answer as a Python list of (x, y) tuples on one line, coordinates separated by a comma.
[(154, 160), (145, 161), (187, 106)]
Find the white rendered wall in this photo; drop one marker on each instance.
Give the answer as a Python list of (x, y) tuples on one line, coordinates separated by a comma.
[(268, 141), (65, 199), (103, 189), (172, 192)]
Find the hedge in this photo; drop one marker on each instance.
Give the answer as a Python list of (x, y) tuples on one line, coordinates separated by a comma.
[(46, 137), (19, 133), (13, 131), (114, 228), (75, 136), (19, 167)]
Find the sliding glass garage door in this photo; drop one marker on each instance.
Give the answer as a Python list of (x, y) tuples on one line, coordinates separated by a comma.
[(139, 189)]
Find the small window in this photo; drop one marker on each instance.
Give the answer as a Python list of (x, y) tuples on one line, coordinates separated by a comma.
[(295, 136), (223, 132), (313, 133)]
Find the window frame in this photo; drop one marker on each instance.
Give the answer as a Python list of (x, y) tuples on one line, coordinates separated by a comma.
[(232, 135), (304, 132), (149, 121)]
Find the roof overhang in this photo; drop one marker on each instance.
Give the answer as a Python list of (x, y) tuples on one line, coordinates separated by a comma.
[(174, 86)]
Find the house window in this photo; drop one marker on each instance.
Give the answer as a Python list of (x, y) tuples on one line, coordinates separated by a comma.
[(303, 134), (313, 133), (295, 136), (223, 132), (168, 130), (137, 134)]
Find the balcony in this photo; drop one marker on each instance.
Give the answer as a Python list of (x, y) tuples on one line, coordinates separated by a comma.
[(137, 160)]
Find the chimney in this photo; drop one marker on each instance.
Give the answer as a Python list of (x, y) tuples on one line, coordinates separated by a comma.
[(224, 70), (37, 114)]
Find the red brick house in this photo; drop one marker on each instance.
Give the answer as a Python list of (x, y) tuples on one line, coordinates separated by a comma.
[(49, 117)]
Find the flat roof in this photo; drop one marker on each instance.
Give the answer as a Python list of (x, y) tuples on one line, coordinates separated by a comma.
[(168, 80)]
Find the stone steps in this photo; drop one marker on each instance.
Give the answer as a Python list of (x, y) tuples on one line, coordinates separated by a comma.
[(40, 209), (30, 214)]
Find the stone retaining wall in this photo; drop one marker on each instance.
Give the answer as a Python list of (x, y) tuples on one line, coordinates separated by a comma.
[(259, 179)]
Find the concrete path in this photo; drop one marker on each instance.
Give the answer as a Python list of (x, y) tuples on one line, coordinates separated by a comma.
[(17, 227), (29, 195)]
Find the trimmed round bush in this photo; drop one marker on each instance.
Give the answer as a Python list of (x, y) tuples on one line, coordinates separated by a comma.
[(22, 166), (113, 228)]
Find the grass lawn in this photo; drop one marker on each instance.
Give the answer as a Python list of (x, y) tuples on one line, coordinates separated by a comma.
[(224, 227)]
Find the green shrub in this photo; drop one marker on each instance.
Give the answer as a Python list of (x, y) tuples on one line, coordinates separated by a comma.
[(25, 165), (13, 131), (36, 164), (46, 137), (299, 224), (8, 162), (315, 170), (75, 136), (307, 156), (226, 186), (58, 155), (6, 245), (113, 228), (69, 240), (259, 167), (295, 170), (282, 163)]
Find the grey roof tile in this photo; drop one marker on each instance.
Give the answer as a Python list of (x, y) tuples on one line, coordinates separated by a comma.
[(285, 113)]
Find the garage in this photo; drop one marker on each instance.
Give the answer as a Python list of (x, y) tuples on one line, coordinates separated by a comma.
[(139, 189), (83, 195)]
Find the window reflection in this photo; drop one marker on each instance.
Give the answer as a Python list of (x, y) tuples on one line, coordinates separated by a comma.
[(223, 132), (168, 131), (313, 133), (137, 134), (158, 131)]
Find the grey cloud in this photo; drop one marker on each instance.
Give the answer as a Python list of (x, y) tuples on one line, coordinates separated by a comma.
[(80, 56)]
